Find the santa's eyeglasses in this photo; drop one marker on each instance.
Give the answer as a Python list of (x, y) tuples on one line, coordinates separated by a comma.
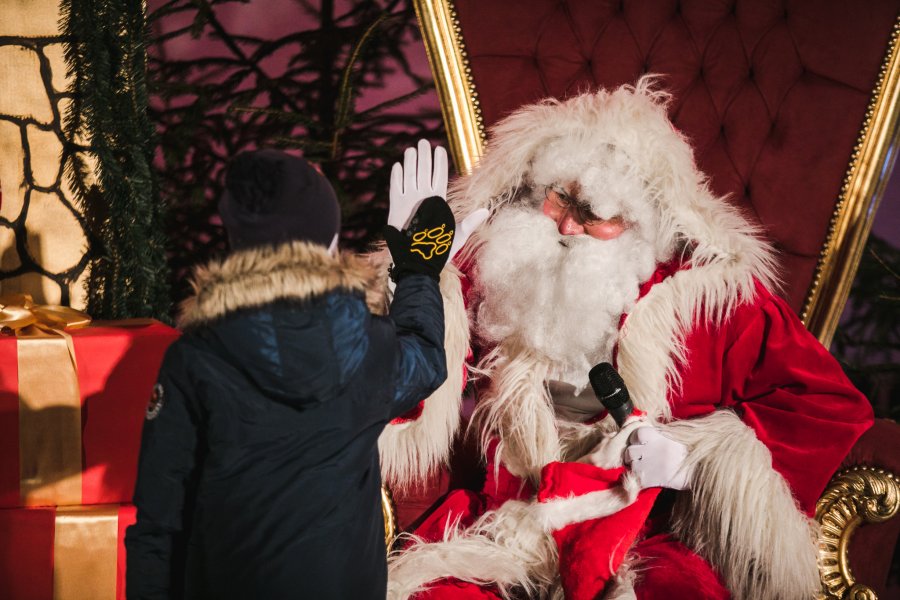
[(557, 202)]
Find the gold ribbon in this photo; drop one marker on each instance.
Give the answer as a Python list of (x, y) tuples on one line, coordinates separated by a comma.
[(49, 400), (85, 553), (20, 314)]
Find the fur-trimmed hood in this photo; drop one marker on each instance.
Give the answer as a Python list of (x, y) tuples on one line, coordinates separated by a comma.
[(255, 277), (289, 318)]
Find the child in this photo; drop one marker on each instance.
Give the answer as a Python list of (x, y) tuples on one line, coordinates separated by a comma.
[(259, 473)]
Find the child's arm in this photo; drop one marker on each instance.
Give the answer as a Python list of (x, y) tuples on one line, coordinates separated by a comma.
[(422, 236), (155, 543), (421, 366), (419, 235)]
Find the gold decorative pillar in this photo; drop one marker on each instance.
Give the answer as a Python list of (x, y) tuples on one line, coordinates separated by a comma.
[(43, 242)]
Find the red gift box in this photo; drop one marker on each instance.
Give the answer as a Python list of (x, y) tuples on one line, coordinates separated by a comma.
[(71, 436), (64, 553)]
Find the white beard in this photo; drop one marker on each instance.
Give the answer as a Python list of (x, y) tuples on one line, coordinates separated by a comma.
[(560, 296)]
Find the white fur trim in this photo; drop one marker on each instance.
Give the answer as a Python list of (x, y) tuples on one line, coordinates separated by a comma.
[(412, 451), (262, 275), (651, 342), (740, 515), (556, 514), (510, 547), (517, 408), (505, 547)]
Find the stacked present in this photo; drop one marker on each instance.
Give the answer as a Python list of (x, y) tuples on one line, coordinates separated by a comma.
[(72, 402)]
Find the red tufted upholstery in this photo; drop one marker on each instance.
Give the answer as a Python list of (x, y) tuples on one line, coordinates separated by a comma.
[(772, 94)]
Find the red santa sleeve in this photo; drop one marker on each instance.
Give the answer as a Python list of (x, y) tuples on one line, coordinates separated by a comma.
[(793, 394), (768, 416)]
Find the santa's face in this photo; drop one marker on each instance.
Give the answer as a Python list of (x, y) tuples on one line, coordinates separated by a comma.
[(559, 267)]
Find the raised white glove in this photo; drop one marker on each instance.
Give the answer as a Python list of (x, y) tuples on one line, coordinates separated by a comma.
[(657, 461), (415, 181), (419, 178)]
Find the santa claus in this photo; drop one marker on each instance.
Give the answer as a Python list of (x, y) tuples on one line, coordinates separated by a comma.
[(604, 244)]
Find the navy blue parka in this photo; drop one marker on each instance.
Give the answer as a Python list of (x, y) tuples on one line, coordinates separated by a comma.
[(259, 474)]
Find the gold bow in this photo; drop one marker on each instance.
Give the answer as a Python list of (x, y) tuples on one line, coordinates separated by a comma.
[(20, 314)]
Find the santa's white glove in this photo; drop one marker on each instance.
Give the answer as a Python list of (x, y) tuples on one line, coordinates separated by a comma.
[(466, 228), (609, 453), (657, 461)]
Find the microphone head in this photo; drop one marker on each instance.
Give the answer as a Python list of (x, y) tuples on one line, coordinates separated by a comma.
[(608, 386)]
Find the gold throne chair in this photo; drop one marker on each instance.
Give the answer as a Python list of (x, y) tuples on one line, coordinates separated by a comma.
[(792, 109)]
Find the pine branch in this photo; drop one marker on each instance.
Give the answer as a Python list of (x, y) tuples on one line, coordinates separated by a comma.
[(210, 108), (105, 56), (345, 92)]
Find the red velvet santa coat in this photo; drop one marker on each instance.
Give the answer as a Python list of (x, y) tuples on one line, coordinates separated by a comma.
[(766, 366), (767, 414)]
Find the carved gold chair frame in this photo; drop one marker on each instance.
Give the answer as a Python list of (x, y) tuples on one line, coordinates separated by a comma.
[(856, 495)]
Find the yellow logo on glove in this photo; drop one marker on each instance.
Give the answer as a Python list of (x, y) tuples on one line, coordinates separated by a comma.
[(431, 242)]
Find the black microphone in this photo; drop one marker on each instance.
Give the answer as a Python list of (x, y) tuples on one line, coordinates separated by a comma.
[(611, 391)]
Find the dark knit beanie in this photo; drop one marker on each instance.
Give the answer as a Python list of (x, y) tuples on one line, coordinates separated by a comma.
[(272, 197)]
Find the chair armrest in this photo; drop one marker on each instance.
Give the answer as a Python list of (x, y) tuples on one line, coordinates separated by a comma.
[(857, 495)]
